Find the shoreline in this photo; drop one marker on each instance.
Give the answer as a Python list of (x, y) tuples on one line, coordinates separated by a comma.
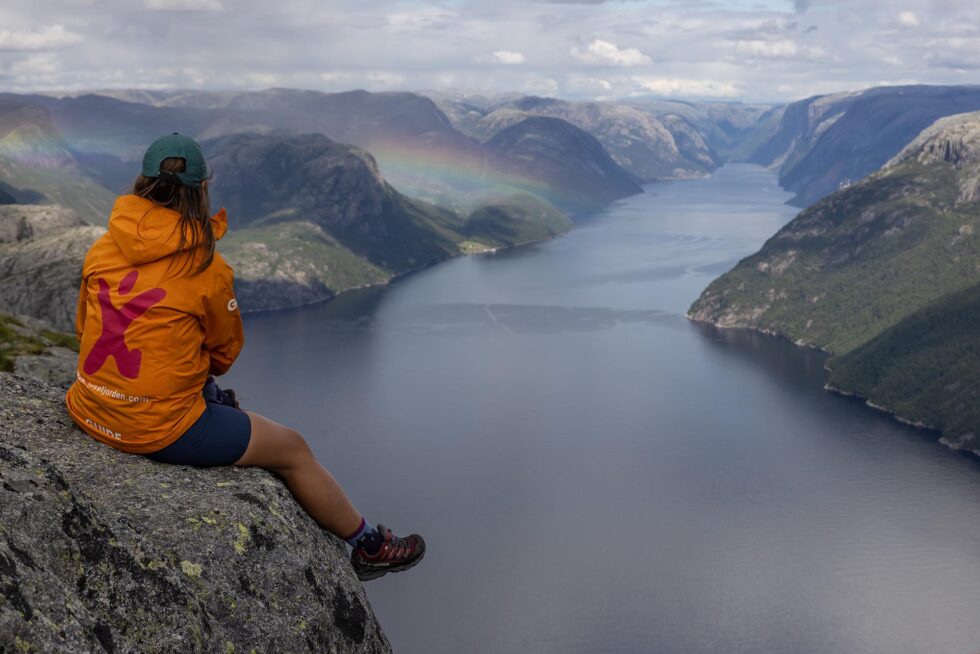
[(942, 439), (397, 276)]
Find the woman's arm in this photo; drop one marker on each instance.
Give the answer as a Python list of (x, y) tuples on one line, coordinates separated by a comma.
[(223, 334)]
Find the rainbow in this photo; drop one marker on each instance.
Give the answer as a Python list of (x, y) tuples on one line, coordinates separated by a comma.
[(448, 174)]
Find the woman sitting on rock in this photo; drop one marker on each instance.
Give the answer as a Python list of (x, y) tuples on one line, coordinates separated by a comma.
[(157, 316)]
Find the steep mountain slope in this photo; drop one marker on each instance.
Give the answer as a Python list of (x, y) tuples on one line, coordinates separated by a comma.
[(827, 141), (850, 269), (267, 179), (727, 128), (38, 165), (799, 126), (926, 368), (317, 217), (560, 162), (6, 198)]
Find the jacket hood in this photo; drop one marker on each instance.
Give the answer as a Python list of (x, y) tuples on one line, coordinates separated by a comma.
[(145, 231)]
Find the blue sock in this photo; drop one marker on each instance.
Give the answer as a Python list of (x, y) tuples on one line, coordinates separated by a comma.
[(366, 537)]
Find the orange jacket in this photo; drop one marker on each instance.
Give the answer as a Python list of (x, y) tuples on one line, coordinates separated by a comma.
[(149, 335)]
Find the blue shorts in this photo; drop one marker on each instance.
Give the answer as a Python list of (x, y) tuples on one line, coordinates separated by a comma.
[(218, 438)]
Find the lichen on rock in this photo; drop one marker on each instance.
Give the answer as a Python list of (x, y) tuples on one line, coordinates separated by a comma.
[(106, 551)]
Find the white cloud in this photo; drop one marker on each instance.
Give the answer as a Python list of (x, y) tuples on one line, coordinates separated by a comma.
[(53, 36), (183, 5), (703, 88), (508, 57), (908, 19), (778, 49), (604, 52), (954, 53), (33, 67), (763, 49), (591, 86), (540, 86), (386, 78), (364, 78)]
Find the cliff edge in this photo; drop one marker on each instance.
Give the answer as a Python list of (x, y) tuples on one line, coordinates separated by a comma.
[(106, 551)]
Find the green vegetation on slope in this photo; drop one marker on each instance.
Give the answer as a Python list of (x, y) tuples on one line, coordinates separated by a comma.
[(293, 263), (926, 368), (282, 263), (513, 220), (856, 263)]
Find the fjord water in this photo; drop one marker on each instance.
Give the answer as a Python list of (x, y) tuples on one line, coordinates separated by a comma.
[(593, 473)]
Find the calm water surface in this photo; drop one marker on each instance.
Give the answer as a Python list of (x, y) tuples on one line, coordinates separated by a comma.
[(593, 473)]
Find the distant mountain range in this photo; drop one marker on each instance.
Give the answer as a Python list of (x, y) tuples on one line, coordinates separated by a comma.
[(329, 191), (651, 140), (827, 141), (884, 274), (416, 145)]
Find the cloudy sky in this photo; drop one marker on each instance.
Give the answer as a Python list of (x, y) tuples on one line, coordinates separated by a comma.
[(737, 49)]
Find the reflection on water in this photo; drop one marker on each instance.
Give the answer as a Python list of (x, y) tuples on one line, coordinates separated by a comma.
[(593, 473)]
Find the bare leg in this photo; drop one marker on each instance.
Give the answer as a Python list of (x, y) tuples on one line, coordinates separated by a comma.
[(284, 452)]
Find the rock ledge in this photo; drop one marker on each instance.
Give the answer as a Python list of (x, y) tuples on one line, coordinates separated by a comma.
[(106, 551)]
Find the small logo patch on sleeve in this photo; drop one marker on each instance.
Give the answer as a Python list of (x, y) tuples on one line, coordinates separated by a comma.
[(232, 304)]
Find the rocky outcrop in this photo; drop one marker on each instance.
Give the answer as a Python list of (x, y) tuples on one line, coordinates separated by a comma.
[(32, 347), (42, 248), (698, 157), (954, 140), (106, 551)]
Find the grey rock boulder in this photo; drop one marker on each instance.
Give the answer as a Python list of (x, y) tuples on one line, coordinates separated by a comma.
[(57, 366), (106, 551)]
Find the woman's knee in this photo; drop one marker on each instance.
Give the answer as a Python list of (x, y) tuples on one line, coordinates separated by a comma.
[(274, 446), (296, 445)]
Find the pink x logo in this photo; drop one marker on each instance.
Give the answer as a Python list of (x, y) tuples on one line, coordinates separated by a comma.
[(115, 322)]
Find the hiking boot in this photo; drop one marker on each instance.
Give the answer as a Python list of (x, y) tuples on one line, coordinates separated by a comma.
[(396, 554)]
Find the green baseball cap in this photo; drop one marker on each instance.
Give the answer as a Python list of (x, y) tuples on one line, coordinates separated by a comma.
[(183, 147)]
